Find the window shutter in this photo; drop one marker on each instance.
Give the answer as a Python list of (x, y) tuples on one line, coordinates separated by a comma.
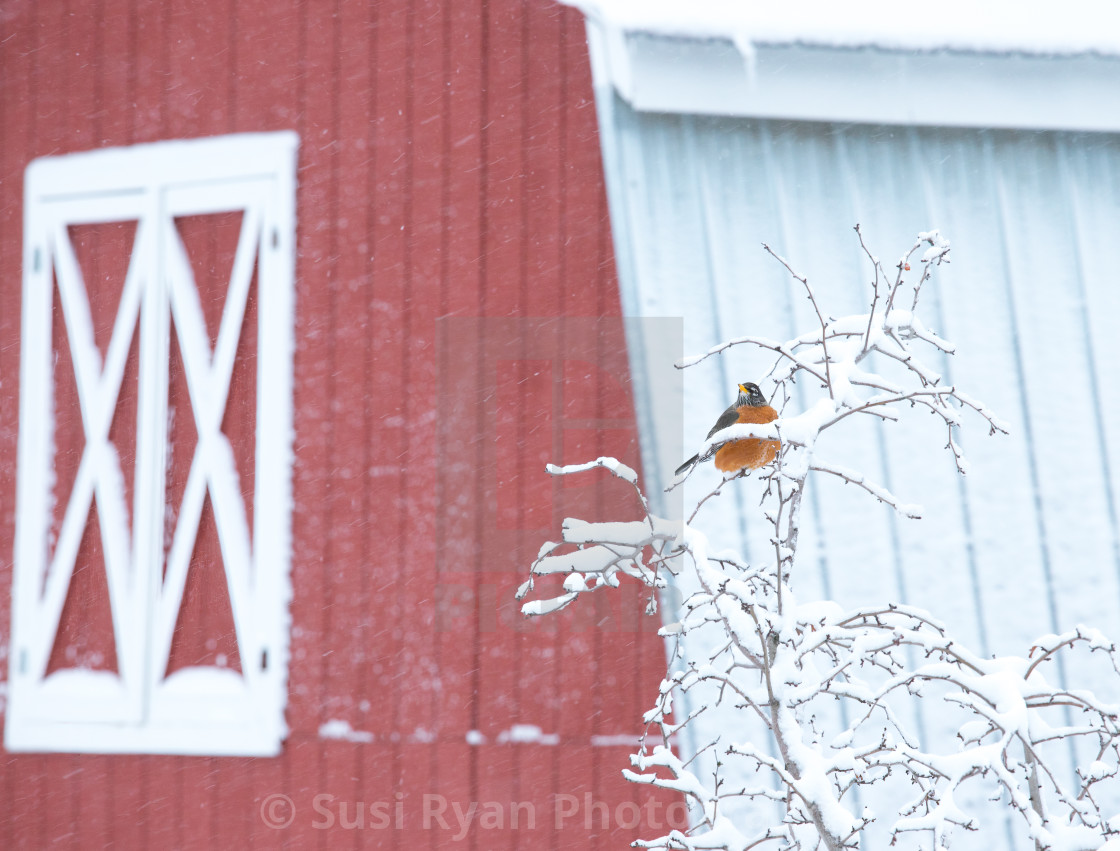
[(179, 333)]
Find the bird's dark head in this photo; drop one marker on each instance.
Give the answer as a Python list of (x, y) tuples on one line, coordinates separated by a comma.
[(749, 394)]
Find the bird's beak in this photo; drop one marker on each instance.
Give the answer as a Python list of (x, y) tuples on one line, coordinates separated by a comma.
[(743, 387)]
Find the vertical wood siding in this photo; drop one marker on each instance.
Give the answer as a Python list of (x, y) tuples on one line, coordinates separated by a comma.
[(449, 170), (1027, 543)]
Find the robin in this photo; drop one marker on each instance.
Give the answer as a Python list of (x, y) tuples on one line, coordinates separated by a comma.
[(749, 454)]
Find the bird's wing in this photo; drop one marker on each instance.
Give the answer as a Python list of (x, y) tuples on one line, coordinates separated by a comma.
[(728, 417)]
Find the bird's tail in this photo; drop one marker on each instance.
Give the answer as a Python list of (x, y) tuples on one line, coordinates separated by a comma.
[(686, 465)]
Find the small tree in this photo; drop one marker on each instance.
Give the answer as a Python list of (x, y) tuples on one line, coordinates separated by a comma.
[(785, 664)]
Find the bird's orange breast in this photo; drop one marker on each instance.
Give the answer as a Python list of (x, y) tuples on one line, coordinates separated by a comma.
[(752, 453)]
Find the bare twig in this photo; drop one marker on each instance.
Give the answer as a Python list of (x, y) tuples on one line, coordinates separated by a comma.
[(813, 300), (782, 664)]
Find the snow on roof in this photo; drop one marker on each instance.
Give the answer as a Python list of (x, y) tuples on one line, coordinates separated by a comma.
[(999, 26)]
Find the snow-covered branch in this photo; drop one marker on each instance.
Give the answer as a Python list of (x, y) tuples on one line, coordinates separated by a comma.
[(782, 666)]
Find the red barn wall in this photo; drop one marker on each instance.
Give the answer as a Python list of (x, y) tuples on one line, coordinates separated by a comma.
[(448, 170)]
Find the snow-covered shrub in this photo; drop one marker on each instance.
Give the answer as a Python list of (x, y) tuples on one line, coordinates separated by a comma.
[(782, 666)]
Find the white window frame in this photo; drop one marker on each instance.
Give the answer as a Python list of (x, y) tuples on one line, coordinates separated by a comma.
[(196, 710)]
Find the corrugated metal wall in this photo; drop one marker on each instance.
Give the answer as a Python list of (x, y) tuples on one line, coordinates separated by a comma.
[(449, 170), (1027, 543)]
